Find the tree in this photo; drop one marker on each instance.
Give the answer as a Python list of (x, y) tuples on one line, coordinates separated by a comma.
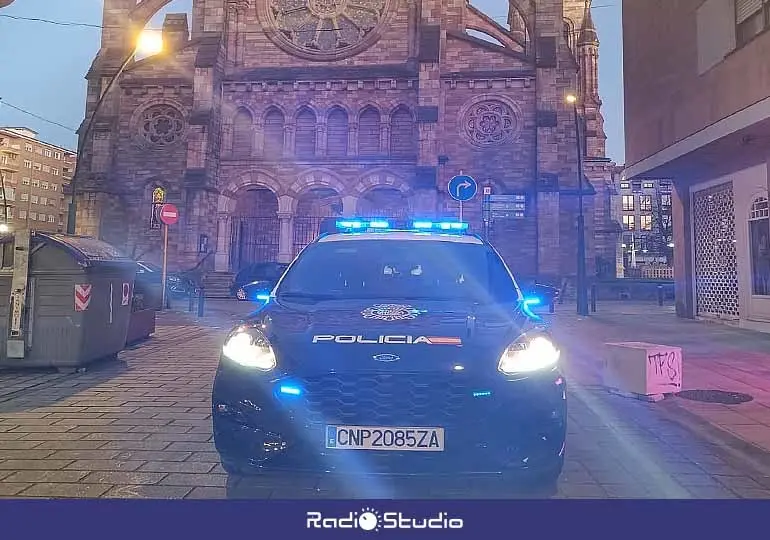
[(662, 236)]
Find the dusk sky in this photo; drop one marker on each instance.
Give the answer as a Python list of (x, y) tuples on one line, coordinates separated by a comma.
[(46, 79)]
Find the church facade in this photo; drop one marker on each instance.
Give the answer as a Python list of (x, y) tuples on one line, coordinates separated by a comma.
[(263, 117)]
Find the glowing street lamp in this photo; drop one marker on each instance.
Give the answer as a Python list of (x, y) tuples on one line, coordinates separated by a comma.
[(148, 43), (582, 285), (4, 228)]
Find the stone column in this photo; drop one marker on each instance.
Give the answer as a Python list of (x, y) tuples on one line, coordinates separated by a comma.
[(288, 140), (224, 237), (385, 136), (349, 206), (353, 138), (286, 207)]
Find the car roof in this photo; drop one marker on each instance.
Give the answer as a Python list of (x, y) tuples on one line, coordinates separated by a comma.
[(402, 235)]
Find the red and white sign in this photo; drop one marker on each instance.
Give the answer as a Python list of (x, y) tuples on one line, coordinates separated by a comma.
[(126, 294), (169, 214), (82, 297)]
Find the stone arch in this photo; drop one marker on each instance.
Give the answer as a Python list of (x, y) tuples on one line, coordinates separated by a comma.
[(337, 122), (384, 196), (305, 131), (368, 105), (317, 177), (146, 10), (403, 131), (369, 129), (253, 178), (242, 132), (306, 106), (271, 108), (334, 105), (272, 126), (380, 178)]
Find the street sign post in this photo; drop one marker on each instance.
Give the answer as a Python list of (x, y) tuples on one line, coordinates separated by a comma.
[(462, 188), (168, 215)]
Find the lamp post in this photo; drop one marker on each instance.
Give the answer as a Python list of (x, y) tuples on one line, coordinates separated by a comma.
[(148, 43), (582, 285)]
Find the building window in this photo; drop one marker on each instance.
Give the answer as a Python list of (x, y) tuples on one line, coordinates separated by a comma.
[(44, 185), (24, 197), (628, 203), (37, 166), (35, 183), (33, 216), (242, 133), (54, 187), (369, 132), (35, 199), (752, 17), (9, 210), (46, 168), (57, 155), (55, 172), (10, 194), (645, 222), (759, 236), (27, 164), (337, 133), (625, 185), (305, 134), (22, 214), (628, 223), (648, 185), (403, 136), (51, 219), (274, 128), (28, 147), (645, 203), (43, 200), (25, 181), (665, 201)]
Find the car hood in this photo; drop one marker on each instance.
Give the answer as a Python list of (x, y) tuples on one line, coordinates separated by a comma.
[(409, 336)]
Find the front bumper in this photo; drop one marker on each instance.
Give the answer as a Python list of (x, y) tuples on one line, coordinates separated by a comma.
[(491, 426)]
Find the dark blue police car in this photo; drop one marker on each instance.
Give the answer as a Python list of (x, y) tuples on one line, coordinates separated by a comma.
[(399, 351)]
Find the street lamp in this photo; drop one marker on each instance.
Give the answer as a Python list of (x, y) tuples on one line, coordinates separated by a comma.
[(148, 43), (582, 285)]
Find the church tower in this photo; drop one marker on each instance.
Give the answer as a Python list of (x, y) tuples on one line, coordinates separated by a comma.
[(588, 85)]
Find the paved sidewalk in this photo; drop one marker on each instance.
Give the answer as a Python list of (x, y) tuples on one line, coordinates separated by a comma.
[(715, 357)]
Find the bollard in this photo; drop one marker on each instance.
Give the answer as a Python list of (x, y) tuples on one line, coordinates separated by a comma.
[(593, 298), (660, 295), (191, 298), (201, 300)]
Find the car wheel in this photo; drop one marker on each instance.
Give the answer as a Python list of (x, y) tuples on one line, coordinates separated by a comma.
[(545, 480), (232, 468)]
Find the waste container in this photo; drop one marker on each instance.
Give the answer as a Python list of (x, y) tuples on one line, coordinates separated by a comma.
[(70, 300)]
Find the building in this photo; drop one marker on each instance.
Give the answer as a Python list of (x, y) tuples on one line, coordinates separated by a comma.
[(34, 176), (262, 118), (646, 219), (698, 112)]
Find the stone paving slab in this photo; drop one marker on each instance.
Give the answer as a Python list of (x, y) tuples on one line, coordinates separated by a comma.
[(140, 428)]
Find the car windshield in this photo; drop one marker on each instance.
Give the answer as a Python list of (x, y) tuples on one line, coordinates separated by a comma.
[(399, 269), (260, 272)]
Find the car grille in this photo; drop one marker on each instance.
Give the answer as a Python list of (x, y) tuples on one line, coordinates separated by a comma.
[(396, 400)]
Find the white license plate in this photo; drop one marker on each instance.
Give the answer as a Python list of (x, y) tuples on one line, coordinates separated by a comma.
[(414, 439)]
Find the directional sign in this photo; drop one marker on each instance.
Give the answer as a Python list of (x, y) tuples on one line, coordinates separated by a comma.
[(82, 297), (126, 296), (462, 187), (169, 214)]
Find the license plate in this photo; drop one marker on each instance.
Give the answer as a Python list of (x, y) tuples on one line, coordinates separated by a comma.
[(414, 439)]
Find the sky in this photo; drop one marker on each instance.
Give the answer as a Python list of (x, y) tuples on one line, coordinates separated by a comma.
[(46, 76)]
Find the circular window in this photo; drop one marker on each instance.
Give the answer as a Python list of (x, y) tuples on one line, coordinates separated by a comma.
[(324, 29), (161, 126), (489, 122)]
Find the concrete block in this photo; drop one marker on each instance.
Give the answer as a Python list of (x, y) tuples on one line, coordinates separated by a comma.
[(644, 369)]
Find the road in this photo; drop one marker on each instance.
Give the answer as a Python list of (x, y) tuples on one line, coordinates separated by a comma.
[(140, 428)]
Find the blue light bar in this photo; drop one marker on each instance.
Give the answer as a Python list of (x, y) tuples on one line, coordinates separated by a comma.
[(360, 225), (440, 226), (290, 390)]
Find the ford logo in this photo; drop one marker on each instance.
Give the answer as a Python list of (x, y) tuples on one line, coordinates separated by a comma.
[(386, 357)]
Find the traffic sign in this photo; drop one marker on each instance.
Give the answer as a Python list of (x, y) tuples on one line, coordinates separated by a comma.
[(169, 214), (462, 187)]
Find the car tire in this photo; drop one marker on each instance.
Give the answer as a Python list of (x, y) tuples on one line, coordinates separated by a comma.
[(545, 480), (233, 469)]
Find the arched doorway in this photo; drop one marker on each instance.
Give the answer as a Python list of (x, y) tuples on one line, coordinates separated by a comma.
[(384, 202), (313, 207), (255, 231)]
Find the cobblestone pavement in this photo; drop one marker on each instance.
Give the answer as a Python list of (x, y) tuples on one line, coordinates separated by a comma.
[(140, 428)]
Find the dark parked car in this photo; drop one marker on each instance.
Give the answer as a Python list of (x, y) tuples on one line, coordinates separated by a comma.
[(256, 281), (177, 283), (393, 351)]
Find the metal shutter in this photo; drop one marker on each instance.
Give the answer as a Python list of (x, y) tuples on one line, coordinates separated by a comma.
[(745, 9)]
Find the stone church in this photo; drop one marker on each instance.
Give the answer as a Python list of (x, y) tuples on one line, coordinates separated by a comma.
[(262, 117)]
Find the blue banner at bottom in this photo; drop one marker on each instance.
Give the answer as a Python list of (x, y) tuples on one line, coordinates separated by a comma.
[(616, 519)]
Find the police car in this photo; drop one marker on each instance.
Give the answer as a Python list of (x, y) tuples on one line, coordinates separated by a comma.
[(393, 350)]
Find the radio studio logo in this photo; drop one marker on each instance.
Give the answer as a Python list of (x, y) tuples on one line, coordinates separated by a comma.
[(369, 519)]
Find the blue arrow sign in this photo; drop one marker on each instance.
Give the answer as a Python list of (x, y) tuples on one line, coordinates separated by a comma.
[(462, 187)]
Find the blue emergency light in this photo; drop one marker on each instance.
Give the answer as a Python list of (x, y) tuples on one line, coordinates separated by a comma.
[(360, 225)]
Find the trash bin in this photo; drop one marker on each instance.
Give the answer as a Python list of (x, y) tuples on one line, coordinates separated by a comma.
[(76, 302), (145, 302)]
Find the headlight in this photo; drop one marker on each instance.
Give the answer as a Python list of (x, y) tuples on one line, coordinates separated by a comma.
[(528, 355), (250, 348)]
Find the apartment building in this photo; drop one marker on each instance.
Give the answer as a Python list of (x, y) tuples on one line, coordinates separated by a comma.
[(645, 209), (33, 174), (697, 107)]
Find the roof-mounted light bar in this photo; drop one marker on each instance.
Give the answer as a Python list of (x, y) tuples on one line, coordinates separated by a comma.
[(362, 225)]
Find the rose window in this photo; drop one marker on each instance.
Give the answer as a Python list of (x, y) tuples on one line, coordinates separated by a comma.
[(162, 125), (489, 123)]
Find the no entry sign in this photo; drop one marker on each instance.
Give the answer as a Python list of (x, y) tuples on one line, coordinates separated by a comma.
[(169, 214)]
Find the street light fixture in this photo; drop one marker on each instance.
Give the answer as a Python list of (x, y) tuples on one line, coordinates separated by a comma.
[(582, 285), (148, 43)]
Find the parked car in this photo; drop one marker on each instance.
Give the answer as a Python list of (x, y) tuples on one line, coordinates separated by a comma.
[(177, 283), (257, 280)]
